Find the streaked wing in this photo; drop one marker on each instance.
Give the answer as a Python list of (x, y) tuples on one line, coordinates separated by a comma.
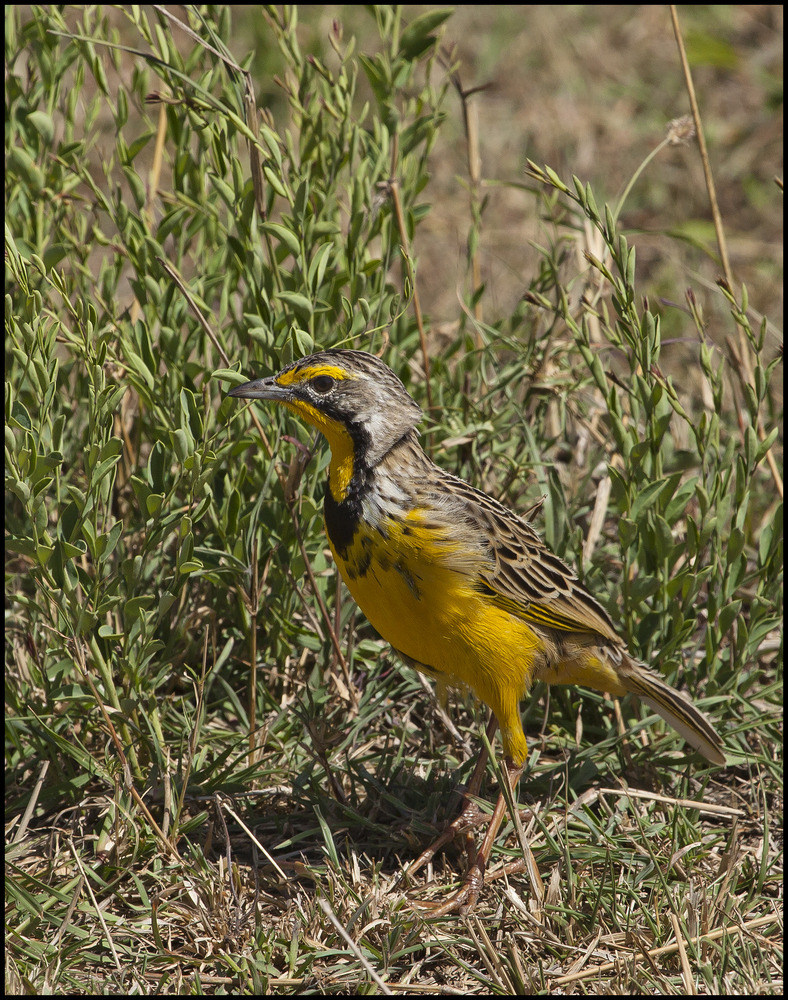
[(522, 575)]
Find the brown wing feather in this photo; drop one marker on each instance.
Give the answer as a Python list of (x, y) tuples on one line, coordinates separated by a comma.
[(521, 572)]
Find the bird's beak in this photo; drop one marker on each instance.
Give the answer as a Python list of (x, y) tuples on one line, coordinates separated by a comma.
[(262, 388)]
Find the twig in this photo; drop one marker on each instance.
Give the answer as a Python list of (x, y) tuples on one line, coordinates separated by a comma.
[(667, 949), (704, 807), (686, 972), (353, 946), (22, 828), (470, 121), (744, 367), (85, 881), (254, 609), (704, 154), (393, 186), (597, 517), (254, 839)]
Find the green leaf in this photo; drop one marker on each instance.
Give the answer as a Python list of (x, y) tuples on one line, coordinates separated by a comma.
[(727, 616), (678, 503), (417, 37), (303, 341), (111, 540), (317, 267), (156, 467), (70, 551), (25, 546), (378, 76), (735, 545), (298, 301), (228, 375), (284, 235), (134, 607), (154, 503), (766, 444), (102, 469), (107, 632), (138, 367), (43, 124), (19, 489), (19, 161), (646, 498), (190, 566), (276, 183)]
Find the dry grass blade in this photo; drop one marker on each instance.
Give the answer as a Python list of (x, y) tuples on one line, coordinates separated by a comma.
[(353, 946), (654, 953)]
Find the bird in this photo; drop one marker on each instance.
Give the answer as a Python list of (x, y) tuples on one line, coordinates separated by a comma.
[(463, 588)]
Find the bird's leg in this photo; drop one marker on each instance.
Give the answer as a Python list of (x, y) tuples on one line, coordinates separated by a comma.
[(475, 876), (465, 897), (470, 813), (469, 817)]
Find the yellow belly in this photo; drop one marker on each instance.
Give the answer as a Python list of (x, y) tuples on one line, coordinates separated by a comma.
[(429, 610)]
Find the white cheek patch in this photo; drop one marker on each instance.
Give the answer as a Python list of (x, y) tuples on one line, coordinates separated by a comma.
[(377, 424)]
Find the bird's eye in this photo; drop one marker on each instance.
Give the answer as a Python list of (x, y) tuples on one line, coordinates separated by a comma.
[(322, 384)]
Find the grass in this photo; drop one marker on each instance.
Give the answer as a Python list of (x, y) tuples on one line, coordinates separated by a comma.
[(214, 769)]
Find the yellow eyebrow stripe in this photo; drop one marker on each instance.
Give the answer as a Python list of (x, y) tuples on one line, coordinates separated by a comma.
[(298, 375)]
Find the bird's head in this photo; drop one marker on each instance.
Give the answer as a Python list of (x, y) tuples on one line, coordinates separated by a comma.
[(352, 397)]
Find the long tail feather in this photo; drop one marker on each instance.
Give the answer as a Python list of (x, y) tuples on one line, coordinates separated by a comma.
[(675, 708)]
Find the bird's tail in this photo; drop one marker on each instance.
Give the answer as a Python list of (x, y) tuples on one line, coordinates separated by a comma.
[(674, 707)]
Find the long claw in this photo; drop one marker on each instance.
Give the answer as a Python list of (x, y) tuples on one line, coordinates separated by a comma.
[(465, 898), (470, 814)]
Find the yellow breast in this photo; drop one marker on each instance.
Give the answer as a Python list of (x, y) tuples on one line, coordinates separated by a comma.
[(405, 578)]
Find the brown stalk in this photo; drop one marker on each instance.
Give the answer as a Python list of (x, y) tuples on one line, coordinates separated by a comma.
[(393, 186), (741, 363)]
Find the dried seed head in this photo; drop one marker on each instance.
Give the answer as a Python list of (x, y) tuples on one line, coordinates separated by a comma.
[(681, 130)]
